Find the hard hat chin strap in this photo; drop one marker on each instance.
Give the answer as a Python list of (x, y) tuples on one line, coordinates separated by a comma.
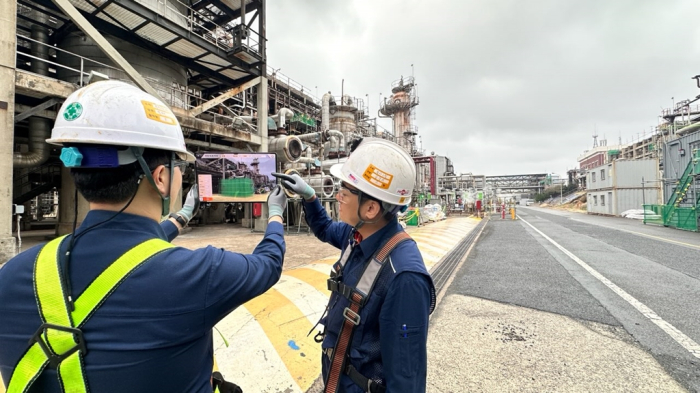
[(165, 200), (362, 221)]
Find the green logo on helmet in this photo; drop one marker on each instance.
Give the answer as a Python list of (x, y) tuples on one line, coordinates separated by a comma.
[(73, 111)]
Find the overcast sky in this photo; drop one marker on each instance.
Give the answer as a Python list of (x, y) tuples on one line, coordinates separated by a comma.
[(505, 86)]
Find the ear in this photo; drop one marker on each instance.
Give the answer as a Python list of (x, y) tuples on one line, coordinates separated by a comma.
[(373, 209), (161, 176)]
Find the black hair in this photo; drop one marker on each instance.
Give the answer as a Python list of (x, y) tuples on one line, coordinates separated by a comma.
[(116, 185), (354, 143)]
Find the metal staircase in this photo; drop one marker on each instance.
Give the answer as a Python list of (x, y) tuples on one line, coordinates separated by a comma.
[(680, 211)]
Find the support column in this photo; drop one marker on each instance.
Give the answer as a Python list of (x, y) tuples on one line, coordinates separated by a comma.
[(66, 205), (261, 222), (8, 48)]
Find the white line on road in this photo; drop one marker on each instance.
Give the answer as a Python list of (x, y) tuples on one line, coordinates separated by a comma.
[(685, 341)]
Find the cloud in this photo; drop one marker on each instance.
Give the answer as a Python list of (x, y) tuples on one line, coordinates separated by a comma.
[(505, 86)]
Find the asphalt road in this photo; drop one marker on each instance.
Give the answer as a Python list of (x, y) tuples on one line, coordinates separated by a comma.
[(559, 301)]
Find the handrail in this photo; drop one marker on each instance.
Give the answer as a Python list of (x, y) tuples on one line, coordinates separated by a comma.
[(178, 97)]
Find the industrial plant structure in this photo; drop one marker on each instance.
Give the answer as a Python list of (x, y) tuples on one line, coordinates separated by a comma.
[(206, 59), (669, 191)]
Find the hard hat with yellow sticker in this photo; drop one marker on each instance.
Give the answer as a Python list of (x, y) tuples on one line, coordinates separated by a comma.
[(116, 113), (381, 169)]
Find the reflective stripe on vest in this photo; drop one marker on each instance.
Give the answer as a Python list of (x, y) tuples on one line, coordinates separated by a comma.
[(351, 314), (59, 341)]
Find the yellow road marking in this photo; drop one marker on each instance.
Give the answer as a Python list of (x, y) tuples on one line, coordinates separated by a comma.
[(285, 325), (662, 239), (312, 277)]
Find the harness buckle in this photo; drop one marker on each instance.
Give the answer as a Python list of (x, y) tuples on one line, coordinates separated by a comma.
[(351, 316), (55, 360)]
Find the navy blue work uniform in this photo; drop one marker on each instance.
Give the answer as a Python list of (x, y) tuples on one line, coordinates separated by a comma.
[(154, 333), (389, 344)]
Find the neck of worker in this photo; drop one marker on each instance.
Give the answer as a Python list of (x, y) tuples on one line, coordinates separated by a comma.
[(368, 229), (147, 203)]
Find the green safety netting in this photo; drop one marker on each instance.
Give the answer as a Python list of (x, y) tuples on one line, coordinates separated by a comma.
[(240, 187)]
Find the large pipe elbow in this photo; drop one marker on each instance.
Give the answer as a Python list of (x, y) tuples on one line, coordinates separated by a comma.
[(282, 115)]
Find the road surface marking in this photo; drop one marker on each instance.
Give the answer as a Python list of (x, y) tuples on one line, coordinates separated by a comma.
[(685, 341), (286, 328)]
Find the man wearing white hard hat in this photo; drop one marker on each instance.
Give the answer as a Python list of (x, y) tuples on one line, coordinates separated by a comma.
[(114, 307), (376, 322)]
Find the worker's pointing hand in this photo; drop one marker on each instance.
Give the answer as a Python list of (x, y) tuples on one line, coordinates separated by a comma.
[(296, 184)]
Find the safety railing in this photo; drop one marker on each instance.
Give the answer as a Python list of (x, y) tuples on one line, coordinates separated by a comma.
[(195, 21), (403, 82), (275, 76), (175, 95), (348, 101)]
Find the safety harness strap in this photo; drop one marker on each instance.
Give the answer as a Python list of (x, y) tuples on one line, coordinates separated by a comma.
[(59, 341), (358, 296), (360, 380)]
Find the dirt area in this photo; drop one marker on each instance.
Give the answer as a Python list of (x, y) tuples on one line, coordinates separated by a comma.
[(575, 207)]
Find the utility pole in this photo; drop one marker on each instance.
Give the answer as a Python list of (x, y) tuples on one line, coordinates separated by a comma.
[(644, 210)]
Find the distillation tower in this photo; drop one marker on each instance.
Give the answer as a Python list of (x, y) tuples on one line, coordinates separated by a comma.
[(400, 108)]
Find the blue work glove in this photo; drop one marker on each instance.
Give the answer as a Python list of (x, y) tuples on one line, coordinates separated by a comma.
[(191, 204), (296, 184), (277, 202)]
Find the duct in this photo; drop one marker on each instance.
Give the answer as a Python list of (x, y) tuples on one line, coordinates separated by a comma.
[(326, 111), (215, 146), (281, 116), (39, 128), (39, 132), (288, 148)]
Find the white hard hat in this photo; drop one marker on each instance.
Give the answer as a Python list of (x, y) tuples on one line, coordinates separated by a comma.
[(118, 114), (380, 169)]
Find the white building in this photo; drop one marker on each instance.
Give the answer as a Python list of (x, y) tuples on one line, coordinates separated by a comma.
[(617, 186)]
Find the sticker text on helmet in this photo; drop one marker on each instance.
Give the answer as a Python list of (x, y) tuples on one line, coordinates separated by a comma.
[(377, 177), (158, 112), (73, 111), (353, 178)]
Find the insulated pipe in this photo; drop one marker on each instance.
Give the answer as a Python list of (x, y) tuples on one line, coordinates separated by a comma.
[(39, 128), (216, 146), (287, 147), (310, 136), (326, 112), (282, 115), (688, 129)]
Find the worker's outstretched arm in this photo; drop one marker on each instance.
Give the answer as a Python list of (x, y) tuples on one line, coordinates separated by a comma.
[(236, 278)]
